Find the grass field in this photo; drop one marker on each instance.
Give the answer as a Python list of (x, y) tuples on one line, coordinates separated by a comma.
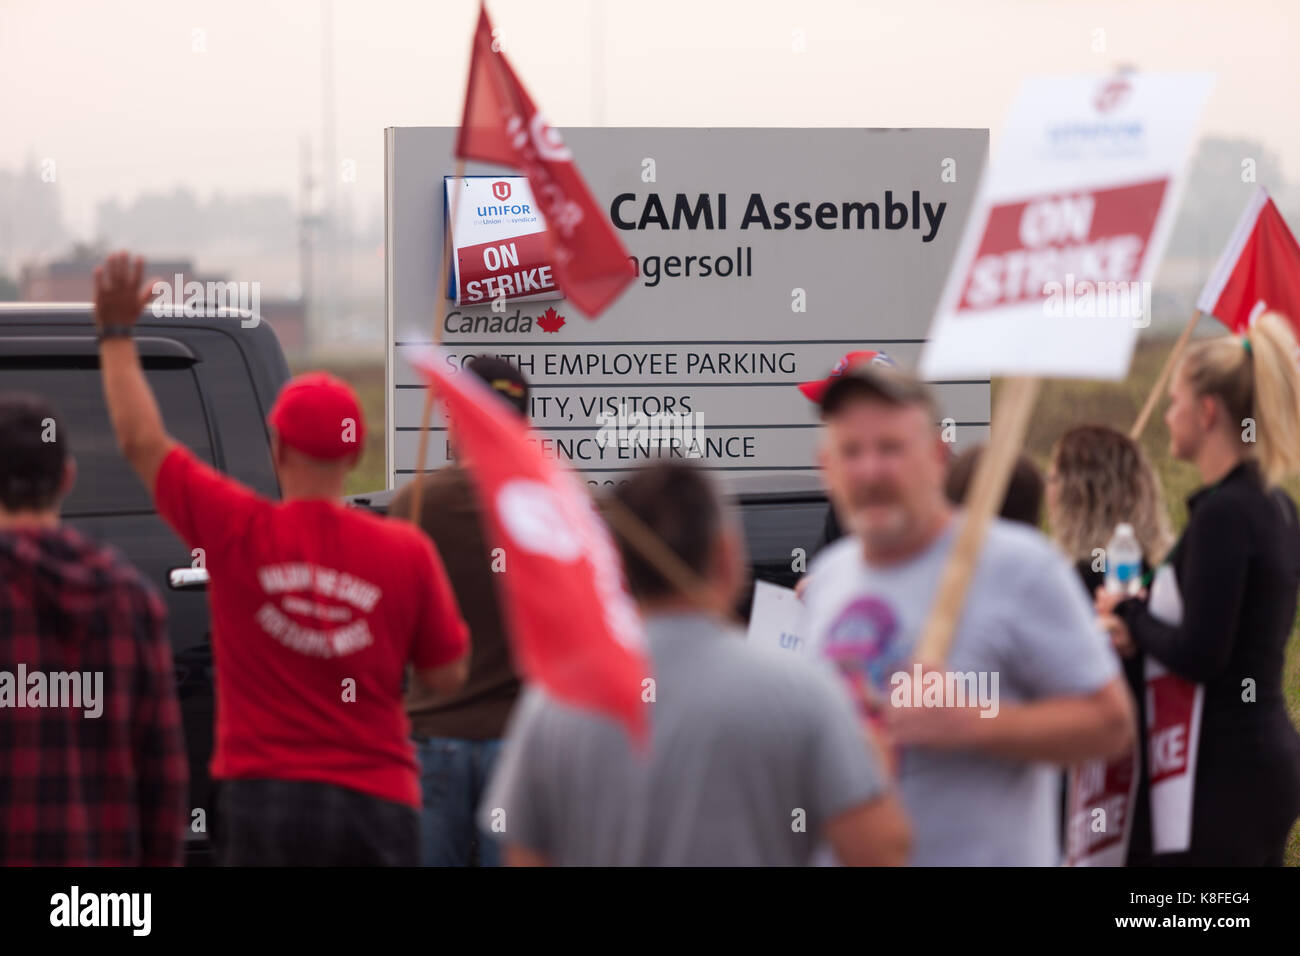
[(1061, 405)]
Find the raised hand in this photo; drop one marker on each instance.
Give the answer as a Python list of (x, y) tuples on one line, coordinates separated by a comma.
[(119, 296)]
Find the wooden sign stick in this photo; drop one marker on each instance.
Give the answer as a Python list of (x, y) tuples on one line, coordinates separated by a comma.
[(1159, 387), (662, 558), (440, 312), (983, 501)]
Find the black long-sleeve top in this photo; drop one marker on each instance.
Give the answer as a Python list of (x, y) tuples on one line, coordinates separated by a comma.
[(1238, 571)]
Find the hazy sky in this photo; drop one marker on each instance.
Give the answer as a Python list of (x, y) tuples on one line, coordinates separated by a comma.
[(135, 95)]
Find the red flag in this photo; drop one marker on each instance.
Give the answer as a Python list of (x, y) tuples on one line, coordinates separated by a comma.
[(574, 628), (1259, 270), (502, 125)]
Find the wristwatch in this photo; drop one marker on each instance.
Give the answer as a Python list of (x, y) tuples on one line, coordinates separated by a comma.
[(115, 332)]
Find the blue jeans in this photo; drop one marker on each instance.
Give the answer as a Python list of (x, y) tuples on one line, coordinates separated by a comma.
[(453, 775)]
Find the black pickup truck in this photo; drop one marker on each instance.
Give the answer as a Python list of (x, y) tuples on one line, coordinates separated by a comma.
[(216, 377), (784, 520)]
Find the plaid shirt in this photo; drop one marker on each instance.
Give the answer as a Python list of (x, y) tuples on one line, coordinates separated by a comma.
[(75, 789)]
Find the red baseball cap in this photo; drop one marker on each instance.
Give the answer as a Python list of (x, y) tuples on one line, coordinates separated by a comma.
[(319, 415), (814, 391)]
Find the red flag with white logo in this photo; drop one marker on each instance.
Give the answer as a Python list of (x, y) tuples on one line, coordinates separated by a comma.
[(501, 124), (1259, 270), (574, 628)]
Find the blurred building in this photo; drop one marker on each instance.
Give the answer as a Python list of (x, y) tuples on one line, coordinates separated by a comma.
[(288, 319), (71, 279)]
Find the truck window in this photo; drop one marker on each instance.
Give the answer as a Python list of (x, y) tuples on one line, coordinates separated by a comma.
[(105, 482)]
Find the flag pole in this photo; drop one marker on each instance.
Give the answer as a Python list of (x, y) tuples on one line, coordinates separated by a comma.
[(662, 558), (1159, 387), (439, 313), (983, 501)]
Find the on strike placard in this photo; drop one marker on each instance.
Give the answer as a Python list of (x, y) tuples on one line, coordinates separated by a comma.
[(498, 242), (1053, 275)]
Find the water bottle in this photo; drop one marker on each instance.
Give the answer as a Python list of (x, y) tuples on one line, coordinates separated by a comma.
[(1124, 561)]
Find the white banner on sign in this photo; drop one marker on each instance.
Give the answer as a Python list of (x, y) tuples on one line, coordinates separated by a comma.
[(774, 618), (1053, 275), (499, 241)]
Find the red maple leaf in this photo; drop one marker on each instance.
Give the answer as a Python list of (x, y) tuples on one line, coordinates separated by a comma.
[(550, 321)]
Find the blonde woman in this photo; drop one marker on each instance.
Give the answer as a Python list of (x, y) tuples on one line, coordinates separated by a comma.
[(1235, 414), (1099, 477)]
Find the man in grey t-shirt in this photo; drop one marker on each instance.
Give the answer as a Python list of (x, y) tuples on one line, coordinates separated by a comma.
[(1030, 680), (754, 758)]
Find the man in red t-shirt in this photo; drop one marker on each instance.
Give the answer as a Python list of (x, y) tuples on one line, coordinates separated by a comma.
[(317, 609)]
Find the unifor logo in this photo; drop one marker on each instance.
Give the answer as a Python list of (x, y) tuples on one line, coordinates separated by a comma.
[(501, 190)]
